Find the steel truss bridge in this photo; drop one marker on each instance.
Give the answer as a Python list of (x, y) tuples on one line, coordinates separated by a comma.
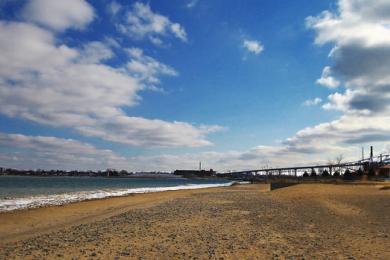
[(380, 160)]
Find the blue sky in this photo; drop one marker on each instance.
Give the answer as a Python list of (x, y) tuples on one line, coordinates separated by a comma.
[(146, 85)]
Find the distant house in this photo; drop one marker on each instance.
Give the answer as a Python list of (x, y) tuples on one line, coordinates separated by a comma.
[(195, 173)]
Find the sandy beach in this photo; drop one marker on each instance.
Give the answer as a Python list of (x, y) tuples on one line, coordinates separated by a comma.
[(322, 221)]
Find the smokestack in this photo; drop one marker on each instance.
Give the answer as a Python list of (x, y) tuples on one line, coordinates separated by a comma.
[(371, 153), (200, 166)]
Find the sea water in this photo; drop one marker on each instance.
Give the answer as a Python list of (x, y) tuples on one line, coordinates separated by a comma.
[(20, 192)]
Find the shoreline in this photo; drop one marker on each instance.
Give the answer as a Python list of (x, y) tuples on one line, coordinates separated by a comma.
[(58, 199), (239, 222), (18, 224)]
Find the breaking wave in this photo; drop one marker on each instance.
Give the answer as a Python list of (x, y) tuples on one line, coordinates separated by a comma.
[(10, 204)]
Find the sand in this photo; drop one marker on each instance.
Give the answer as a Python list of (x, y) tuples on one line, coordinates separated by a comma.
[(306, 221)]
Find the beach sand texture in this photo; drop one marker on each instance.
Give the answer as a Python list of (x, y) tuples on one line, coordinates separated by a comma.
[(321, 221)]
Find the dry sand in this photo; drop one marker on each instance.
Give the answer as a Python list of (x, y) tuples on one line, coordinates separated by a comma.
[(306, 221)]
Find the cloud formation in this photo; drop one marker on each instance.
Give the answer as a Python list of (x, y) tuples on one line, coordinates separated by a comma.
[(141, 22), (59, 15), (146, 68), (74, 87), (361, 54), (253, 46), (42, 152), (327, 80), (361, 58)]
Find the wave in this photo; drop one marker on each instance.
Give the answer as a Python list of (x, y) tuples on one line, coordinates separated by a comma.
[(65, 198)]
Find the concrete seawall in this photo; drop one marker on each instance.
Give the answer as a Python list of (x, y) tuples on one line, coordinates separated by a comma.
[(279, 185)]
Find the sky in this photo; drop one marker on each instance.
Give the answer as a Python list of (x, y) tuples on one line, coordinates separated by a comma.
[(158, 86)]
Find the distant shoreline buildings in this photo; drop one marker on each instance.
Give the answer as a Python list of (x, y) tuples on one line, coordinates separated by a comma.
[(195, 173)]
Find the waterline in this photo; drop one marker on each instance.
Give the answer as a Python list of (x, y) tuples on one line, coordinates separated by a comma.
[(10, 204)]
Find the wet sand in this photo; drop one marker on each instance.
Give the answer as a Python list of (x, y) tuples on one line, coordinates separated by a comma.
[(322, 221)]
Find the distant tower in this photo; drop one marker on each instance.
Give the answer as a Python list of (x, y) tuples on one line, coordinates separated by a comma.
[(200, 166), (362, 153), (371, 153)]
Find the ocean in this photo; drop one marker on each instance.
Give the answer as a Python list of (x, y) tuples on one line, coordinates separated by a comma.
[(21, 192)]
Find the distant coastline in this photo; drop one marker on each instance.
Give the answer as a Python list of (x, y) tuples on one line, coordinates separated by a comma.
[(80, 173)]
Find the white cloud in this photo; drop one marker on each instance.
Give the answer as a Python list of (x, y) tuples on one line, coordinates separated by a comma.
[(59, 15), (253, 46), (95, 52), (33, 152), (327, 80), (339, 101), (362, 22), (179, 31), (141, 22), (146, 68), (361, 54), (342, 134), (312, 102), (72, 88)]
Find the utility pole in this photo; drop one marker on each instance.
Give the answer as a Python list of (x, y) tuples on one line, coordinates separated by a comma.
[(362, 153)]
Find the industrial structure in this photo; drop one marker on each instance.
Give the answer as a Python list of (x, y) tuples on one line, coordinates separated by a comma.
[(372, 166)]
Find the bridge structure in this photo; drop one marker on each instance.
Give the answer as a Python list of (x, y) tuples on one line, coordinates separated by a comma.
[(365, 164)]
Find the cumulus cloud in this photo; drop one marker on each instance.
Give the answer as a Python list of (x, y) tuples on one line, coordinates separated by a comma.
[(141, 22), (312, 102), (362, 22), (50, 83), (338, 135), (59, 15), (327, 80), (361, 53), (253, 46)]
